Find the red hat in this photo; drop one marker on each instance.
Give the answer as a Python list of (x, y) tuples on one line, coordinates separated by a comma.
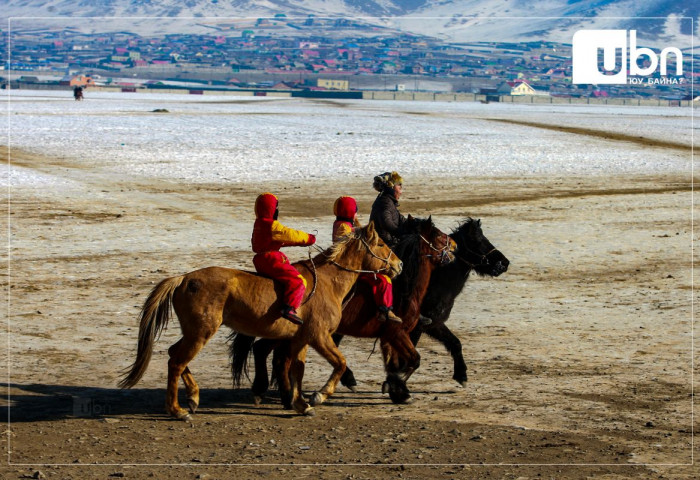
[(345, 207), (265, 206)]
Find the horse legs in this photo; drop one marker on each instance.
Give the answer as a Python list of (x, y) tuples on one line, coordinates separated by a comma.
[(192, 389), (181, 354), (261, 350), (400, 347), (326, 347), (281, 363), (444, 335), (416, 334), (348, 378), (296, 373)]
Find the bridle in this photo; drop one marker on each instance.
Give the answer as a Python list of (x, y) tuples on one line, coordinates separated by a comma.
[(386, 267), (483, 258), (442, 253)]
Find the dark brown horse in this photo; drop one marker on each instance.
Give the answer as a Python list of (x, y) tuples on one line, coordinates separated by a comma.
[(205, 299), (422, 249)]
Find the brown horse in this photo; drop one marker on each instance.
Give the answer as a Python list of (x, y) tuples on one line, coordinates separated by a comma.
[(205, 299), (422, 247)]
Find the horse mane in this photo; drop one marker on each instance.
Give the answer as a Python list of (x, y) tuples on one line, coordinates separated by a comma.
[(336, 251), (408, 250), (459, 235), (463, 227)]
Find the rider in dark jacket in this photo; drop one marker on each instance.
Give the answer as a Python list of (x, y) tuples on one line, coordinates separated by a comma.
[(385, 212)]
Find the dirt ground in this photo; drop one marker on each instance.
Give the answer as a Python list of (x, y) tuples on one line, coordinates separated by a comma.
[(580, 356)]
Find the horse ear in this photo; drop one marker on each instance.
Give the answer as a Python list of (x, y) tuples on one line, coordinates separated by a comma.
[(410, 217), (370, 230)]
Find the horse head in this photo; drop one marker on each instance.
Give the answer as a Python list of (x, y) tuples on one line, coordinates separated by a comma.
[(378, 257), (474, 249), (435, 244)]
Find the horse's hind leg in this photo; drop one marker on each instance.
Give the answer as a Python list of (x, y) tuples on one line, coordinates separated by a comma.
[(181, 354), (192, 389), (261, 350), (281, 363), (403, 349), (453, 345)]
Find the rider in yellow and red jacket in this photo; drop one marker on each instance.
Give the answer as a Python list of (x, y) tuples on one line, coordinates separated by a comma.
[(345, 210), (269, 236)]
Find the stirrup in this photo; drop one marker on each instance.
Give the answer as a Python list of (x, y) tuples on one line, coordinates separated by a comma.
[(289, 314)]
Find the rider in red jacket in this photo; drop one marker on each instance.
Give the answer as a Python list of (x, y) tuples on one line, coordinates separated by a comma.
[(345, 210), (269, 236)]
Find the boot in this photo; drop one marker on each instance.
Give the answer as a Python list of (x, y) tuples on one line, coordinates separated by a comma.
[(290, 314), (390, 315), (385, 313)]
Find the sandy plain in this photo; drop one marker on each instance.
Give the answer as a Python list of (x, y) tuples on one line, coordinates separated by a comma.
[(580, 356)]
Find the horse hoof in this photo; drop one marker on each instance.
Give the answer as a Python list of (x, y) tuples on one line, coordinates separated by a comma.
[(316, 399), (193, 405), (257, 399), (309, 412), (463, 384), (185, 418), (352, 388), (385, 387)]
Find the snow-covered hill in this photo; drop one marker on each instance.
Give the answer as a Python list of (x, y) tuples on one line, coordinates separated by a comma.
[(657, 21)]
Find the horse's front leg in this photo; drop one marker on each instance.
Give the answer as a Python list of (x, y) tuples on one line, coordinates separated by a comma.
[(296, 375), (348, 378), (326, 347)]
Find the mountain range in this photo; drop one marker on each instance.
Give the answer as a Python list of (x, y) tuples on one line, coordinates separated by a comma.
[(670, 22)]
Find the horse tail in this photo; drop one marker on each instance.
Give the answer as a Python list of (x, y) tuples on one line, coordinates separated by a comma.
[(239, 351), (154, 317)]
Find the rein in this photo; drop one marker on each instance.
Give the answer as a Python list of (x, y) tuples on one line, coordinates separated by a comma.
[(373, 272), (314, 276)]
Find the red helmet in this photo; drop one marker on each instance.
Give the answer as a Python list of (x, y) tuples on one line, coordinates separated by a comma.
[(345, 207), (265, 206)]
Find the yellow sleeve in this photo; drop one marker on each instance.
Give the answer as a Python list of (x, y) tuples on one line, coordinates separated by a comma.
[(288, 236)]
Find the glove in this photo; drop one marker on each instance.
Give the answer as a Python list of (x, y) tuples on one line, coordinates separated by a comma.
[(312, 239)]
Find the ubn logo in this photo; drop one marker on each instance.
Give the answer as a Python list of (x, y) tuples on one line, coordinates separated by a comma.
[(589, 44)]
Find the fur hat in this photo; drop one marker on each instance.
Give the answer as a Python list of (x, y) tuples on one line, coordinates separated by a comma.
[(387, 180)]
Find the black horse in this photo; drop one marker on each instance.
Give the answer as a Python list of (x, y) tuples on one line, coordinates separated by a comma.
[(475, 253)]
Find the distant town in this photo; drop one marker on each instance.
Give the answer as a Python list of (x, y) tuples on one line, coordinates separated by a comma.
[(259, 57)]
